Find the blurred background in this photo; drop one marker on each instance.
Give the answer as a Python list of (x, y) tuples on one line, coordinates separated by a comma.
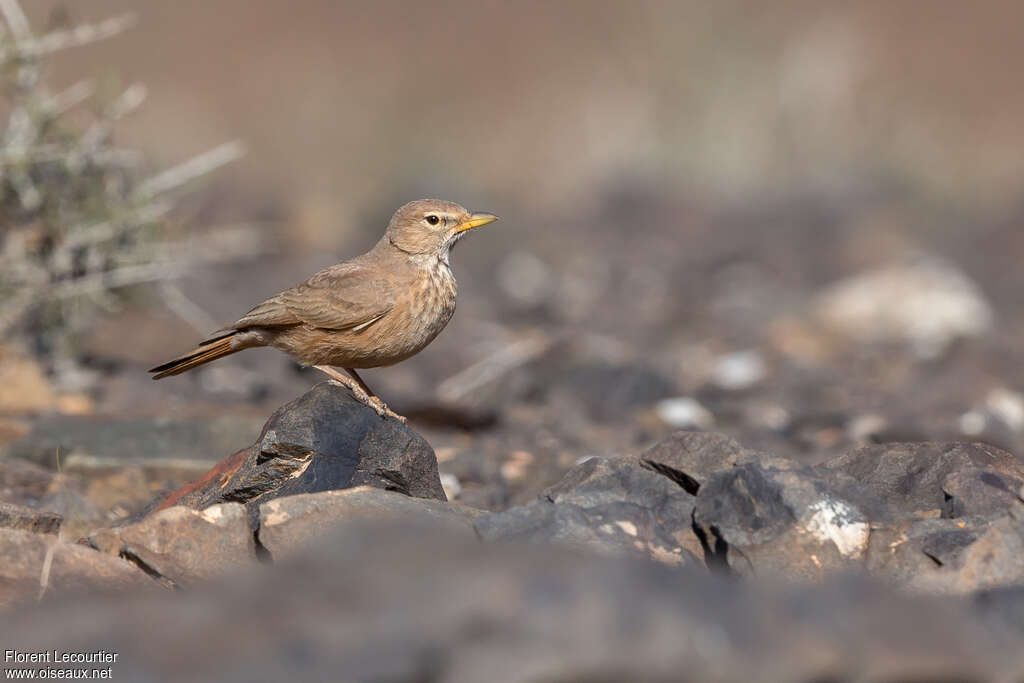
[(798, 223)]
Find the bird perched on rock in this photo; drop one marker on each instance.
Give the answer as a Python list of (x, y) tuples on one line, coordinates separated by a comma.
[(374, 310)]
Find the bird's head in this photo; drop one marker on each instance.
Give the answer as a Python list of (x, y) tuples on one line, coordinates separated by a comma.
[(432, 226)]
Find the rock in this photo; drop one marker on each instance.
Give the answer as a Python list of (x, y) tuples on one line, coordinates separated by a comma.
[(903, 552), (627, 479), (406, 602), (23, 482), (983, 492), (26, 519), (776, 517), (180, 545), (288, 524), (684, 412), (689, 458), (71, 568), (928, 304), (324, 440), (988, 556), (896, 481), (615, 529), (739, 370), (615, 506)]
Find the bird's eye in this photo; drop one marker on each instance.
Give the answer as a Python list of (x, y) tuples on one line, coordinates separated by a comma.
[(433, 220)]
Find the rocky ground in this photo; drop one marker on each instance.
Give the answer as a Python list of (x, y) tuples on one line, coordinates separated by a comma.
[(790, 450), (329, 546)]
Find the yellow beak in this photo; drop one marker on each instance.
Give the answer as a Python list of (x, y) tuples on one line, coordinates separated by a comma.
[(475, 221)]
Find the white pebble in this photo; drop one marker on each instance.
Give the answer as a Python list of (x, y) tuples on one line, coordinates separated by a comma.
[(684, 412)]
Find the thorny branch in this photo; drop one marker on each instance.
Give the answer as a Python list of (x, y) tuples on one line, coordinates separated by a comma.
[(77, 223)]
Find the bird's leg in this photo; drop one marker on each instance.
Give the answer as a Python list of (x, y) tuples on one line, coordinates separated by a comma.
[(360, 390), (375, 401)]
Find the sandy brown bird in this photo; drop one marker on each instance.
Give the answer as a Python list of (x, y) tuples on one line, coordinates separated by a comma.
[(374, 310)]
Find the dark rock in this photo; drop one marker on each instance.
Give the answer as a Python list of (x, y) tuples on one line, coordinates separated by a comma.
[(26, 519), (288, 524), (627, 479), (71, 568), (180, 545), (777, 517), (906, 480), (691, 457), (990, 560), (324, 440), (904, 551), (408, 602), (624, 529), (975, 491), (615, 506)]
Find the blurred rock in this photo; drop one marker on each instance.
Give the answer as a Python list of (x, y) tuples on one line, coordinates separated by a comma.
[(23, 482), (775, 517), (322, 441), (71, 568), (738, 370), (684, 412), (928, 304), (179, 546), (411, 602), (132, 440), (24, 388), (26, 519), (450, 484), (611, 390), (524, 279), (293, 523)]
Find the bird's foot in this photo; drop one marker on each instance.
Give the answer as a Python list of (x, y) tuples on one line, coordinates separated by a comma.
[(383, 410), (366, 399)]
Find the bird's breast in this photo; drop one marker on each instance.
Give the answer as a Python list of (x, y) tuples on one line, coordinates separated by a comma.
[(421, 311)]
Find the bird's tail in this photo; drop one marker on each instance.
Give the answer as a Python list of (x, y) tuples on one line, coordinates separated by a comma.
[(209, 350)]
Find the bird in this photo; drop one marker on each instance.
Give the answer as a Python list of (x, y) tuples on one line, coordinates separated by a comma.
[(374, 310)]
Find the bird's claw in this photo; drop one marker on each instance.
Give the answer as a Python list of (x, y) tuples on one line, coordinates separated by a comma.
[(383, 410)]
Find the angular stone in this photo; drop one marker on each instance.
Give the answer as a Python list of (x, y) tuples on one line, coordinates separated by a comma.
[(628, 479), (776, 517), (976, 491), (180, 545), (72, 568), (990, 560), (26, 519), (288, 524), (691, 457), (897, 481), (616, 529), (324, 440), (904, 551)]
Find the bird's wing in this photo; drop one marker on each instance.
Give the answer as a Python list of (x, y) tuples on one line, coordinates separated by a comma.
[(343, 297)]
